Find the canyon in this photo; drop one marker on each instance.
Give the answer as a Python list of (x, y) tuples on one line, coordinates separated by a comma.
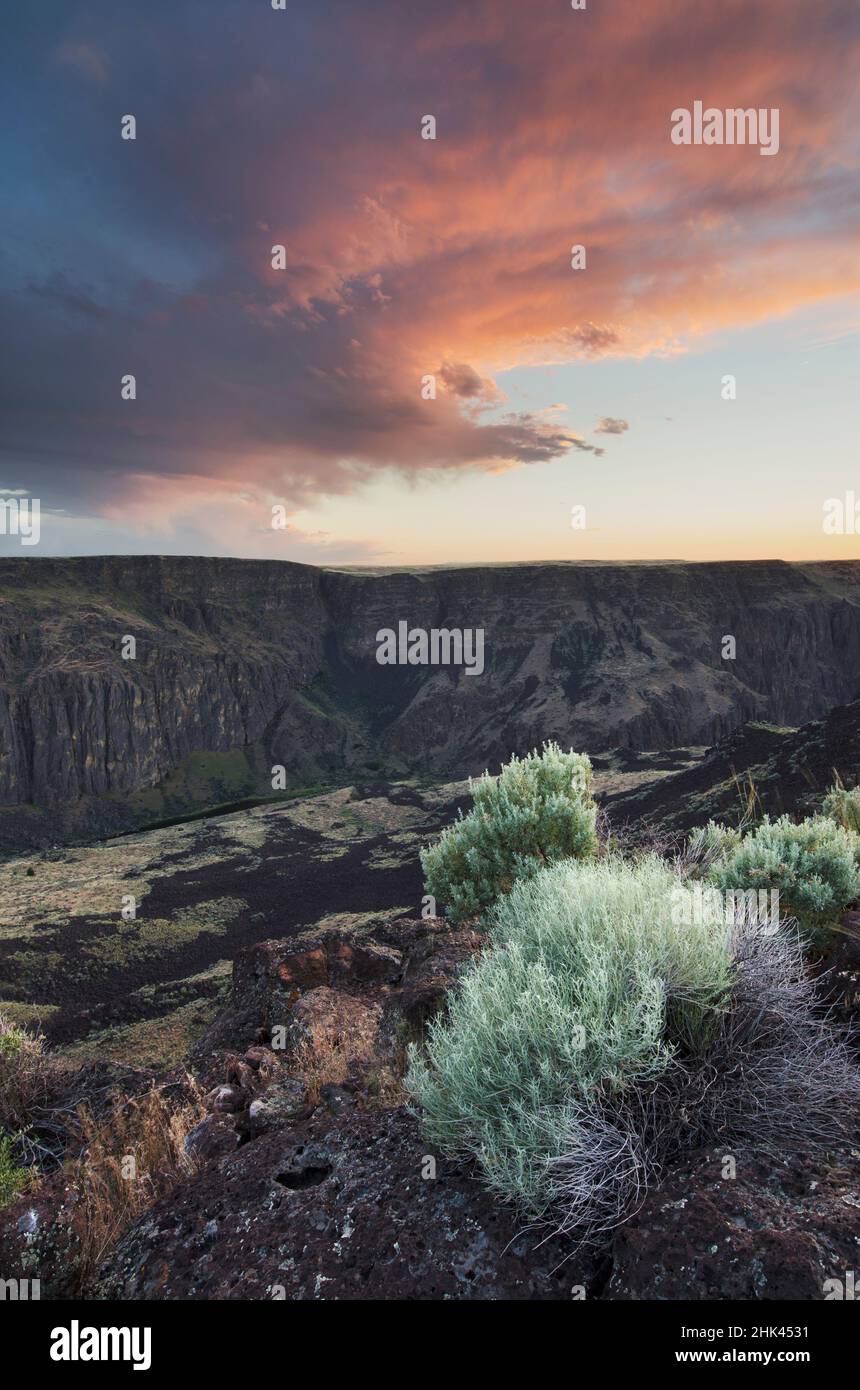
[(302, 913), (242, 666)]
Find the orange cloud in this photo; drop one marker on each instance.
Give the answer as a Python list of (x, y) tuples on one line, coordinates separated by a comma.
[(407, 257)]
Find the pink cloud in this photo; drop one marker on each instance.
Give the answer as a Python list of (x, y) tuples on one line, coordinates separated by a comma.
[(450, 257)]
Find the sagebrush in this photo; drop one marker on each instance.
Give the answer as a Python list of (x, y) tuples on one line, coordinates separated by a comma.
[(537, 811), (774, 1075), (814, 865), (596, 1040), (587, 985)]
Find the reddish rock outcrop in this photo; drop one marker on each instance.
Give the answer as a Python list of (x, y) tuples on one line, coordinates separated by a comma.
[(401, 974)]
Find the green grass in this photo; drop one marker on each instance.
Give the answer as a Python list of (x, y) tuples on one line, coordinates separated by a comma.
[(26, 1015), (161, 1042), (200, 777)]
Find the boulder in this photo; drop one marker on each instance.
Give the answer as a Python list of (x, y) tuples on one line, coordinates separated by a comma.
[(282, 1105), (229, 1100), (212, 1137), (402, 972), (327, 1021)]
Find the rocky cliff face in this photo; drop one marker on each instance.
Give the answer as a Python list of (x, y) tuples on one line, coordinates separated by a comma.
[(278, 661)]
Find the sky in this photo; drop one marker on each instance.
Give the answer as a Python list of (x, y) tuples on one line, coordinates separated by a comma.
[(426, 378)]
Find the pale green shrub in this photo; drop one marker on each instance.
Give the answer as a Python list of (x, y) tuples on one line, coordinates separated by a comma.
[(587, 987), (771, 1057), (843, 807), (538, 810), (708, 845), (814, 865)]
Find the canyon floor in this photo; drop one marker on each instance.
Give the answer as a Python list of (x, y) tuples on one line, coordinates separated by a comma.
[(101, 985)]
